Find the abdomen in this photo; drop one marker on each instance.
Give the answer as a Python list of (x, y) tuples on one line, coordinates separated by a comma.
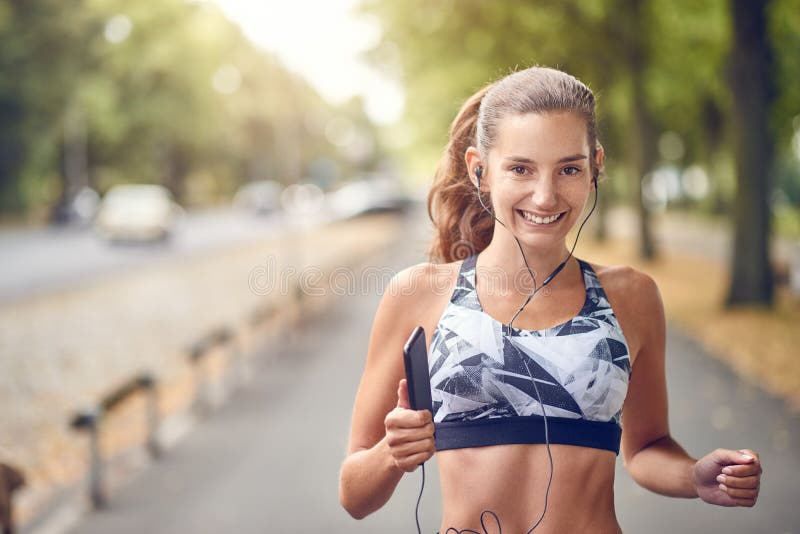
[(511, 481)]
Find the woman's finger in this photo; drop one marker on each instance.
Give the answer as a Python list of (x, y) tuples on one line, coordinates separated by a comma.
[(744, 502), (749, 482), (398, 438), (402, 394), (750, 452), (740, 471), (405, 418), (739, 493), (414, 447), (411, 433), (410, 463)]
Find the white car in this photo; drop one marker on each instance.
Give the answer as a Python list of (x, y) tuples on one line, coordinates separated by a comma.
[(137, 212), (367, 196), (261, 197)]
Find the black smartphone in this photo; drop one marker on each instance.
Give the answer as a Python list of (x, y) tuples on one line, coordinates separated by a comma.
[(415, 357)]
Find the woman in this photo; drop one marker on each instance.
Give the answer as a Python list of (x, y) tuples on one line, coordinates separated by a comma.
[(533, 396)]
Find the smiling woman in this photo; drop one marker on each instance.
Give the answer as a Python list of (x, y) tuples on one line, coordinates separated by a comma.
[(526, 421)]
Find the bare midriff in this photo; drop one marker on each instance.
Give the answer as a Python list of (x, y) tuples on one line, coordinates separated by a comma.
[(511, 480)]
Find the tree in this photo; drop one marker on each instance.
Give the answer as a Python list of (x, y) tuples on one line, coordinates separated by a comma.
[(38, 52), (445, 56), (637, 26), (160, 91), (751, 78)]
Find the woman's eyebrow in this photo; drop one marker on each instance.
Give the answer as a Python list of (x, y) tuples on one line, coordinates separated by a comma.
[(518, 159), (574, 157), (521, 159)]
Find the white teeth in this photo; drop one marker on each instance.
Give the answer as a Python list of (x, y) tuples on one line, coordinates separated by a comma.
[(540, 220)]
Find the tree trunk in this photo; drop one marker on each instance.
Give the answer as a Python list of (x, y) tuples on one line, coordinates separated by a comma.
[(643, 134), (644, 159), (12, 201), (750, 75), (178, 167)]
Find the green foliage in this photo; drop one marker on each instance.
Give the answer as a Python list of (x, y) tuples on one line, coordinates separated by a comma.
[(446, 50), (176, 96), (784, 21)]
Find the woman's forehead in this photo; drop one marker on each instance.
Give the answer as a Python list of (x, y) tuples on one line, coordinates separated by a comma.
[(542, 136)]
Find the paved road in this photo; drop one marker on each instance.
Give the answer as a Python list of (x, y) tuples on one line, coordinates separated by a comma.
[(268, 461), (41, 260)]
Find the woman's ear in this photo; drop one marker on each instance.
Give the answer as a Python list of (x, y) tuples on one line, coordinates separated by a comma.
[(473, 160), (599, 160)]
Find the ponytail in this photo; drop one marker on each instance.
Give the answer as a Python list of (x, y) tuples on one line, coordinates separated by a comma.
[(462, 227)]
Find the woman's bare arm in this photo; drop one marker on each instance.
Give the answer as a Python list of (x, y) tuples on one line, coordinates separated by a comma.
[(386, 439), (652, 457)]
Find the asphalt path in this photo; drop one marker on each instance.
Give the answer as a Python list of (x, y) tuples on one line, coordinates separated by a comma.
[(268, 460), (42, 260)]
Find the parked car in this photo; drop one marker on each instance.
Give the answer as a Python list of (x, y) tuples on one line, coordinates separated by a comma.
[(137, 212), (367, 196), (261, 196)]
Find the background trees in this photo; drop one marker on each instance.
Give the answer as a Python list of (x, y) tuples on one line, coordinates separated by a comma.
[(699, 102), (680, 84), (97, 92)]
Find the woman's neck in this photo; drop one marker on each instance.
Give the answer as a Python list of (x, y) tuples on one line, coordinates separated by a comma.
[(504, 255)]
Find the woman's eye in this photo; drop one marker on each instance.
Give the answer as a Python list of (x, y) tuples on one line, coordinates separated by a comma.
[(571, 171), (519, 170)]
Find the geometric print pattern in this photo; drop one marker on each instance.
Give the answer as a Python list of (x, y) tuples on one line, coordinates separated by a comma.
[(479, 369)]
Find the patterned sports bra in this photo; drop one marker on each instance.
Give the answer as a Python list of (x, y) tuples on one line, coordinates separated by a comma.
[(482, 374)]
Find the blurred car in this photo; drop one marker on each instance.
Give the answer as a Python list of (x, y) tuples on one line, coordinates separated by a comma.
[(367, 196), (137, 212), (261, 196)]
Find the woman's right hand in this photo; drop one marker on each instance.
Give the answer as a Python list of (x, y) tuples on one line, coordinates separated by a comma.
[(409, 433)]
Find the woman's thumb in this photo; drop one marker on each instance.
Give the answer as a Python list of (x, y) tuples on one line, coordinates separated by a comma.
[(402, 395), (730, 457)]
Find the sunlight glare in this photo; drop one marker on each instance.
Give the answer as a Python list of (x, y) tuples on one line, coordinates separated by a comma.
[(322, 41)]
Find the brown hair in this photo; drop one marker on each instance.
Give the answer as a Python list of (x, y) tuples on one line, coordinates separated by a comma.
[(462, 227)]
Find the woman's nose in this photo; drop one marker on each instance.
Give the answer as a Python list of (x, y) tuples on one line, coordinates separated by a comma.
[(544, 196)]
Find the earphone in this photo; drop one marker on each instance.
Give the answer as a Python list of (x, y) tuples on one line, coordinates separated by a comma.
[(478, 175)]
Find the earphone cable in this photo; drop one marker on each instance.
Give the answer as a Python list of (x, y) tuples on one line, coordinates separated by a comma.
[(421, 489), (549, 456)]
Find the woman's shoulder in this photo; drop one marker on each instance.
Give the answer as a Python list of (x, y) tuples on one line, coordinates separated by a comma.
[(421, 283), (624, 279), (413, 297), (635, 298)]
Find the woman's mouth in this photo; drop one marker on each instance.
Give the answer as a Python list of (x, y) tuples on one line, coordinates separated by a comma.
[(536, 220)]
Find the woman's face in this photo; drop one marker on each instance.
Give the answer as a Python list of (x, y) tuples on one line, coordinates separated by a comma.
[(539, 175)]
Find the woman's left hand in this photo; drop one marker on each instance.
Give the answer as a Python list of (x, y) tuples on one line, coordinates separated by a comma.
[(728, 478)]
